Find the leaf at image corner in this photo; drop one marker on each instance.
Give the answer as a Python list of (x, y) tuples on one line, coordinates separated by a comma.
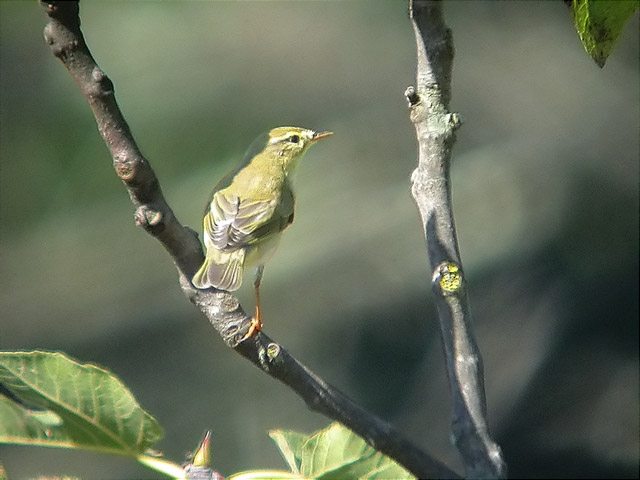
[(600, 23), (64, 403)]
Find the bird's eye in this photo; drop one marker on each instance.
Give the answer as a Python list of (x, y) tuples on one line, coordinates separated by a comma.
[(294, 138)]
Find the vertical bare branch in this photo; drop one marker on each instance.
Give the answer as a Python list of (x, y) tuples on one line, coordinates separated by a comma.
[(431, 189)]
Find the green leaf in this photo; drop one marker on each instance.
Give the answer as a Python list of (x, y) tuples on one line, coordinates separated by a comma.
[(290, 445), (599, 24), (265, 475), (59, 402), (335, 452)]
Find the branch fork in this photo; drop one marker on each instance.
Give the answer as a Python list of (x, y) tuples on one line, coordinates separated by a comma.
[(435, 128)]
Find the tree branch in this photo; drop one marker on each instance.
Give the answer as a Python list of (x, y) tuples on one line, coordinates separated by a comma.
[(222, 309), (431, 189)]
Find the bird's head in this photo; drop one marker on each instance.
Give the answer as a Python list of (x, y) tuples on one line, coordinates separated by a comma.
[(288, 144)]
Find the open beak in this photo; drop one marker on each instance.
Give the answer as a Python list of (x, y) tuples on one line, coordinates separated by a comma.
[(320, 135)]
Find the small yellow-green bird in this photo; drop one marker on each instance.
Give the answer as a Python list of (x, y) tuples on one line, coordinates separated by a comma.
[(249, 210)]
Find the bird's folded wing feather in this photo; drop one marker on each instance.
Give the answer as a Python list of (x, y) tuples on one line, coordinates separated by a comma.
[(235, 223)]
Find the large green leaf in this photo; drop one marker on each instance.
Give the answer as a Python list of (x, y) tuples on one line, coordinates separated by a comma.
[(335, 452), (59, 402), (599, 24)]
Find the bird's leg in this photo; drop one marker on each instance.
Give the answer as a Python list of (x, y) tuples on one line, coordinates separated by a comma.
[(256, 320), (256, 285)]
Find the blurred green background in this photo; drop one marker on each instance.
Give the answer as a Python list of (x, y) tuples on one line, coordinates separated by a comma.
[(545, 186)]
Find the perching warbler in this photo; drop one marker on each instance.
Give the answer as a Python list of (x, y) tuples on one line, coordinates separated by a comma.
[(250, 208)]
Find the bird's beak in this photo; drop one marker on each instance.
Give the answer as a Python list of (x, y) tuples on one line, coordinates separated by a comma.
[(320, 135)]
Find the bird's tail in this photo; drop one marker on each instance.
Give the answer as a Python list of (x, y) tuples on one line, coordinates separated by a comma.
[(221, 270)]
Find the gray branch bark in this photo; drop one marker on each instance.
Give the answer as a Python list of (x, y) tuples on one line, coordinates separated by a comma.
[(223, 310), (431, 189)]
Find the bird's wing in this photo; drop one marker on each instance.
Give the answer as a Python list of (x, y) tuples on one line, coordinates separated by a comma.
[(235, 223)]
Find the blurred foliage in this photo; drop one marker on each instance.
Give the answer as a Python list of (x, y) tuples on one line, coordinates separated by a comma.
[(545, 187)]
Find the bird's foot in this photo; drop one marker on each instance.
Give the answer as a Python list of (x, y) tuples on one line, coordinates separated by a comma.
[(255, 327)]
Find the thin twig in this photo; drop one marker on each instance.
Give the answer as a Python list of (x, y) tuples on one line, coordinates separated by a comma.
[(222, 309), (431, 189)]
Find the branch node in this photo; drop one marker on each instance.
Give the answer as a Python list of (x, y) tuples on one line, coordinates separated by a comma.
[(48, 35), (148, 218), (273, 352), (454, 120), (448, 279), (102, 84), (59, 50), (67, 10), (412, 96), (124, 169)]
